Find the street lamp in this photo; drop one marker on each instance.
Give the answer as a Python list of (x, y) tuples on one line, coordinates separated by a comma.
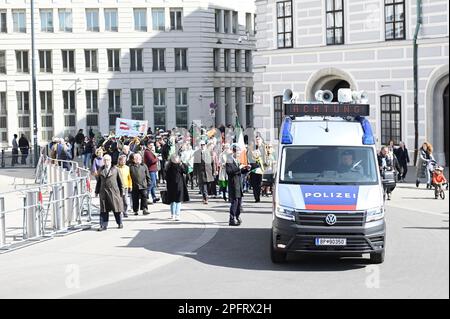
[(33, 84)]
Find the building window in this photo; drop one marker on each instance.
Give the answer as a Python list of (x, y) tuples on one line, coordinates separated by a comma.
[(394, 19), (46, 98), (92, 20), (2, 62), (227, 60), (158, 19), (65, 20), (19, 22), (181, 107), (68, 57), (3, 119), (90, 58), (391, 119), (3, 23), (92, 108), (216, 58), (159, 108), (137, 104), (111, 20), (249, 106), (140, 19), (23, 113), (226, 21), (22, 61), (158, 60), (237, 60), (45, 61), (114, 108), (181, 60), (136, 60), (113, 60), (218, 19), (235, 22), (248, 61), (237, 103), (176, 19), (248, 23), (284, 24), (70, 115), (46, 20), (277, 114), (228, 112), (335, 21)]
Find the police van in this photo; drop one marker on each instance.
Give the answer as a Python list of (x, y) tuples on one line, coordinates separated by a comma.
[(328, 195)]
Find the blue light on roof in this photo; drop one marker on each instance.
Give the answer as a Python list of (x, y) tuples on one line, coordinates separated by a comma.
[(286, 136), (368, 138)]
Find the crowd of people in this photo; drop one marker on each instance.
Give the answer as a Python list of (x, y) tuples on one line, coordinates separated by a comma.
[(130, 171)]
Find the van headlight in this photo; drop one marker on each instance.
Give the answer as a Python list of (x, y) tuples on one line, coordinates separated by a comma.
[(285, 213), (374, 214)]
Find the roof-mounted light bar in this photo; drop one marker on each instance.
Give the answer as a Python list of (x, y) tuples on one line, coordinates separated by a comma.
[(286, 135)]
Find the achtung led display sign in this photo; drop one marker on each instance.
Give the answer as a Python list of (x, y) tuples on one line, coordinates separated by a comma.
[(334, 109)]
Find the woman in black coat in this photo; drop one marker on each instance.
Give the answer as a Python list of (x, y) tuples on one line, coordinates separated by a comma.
[(176, 186)]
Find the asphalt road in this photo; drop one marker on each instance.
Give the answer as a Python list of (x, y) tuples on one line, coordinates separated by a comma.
[(235, 262)]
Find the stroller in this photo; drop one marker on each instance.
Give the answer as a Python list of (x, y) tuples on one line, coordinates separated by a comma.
[(389, 181)]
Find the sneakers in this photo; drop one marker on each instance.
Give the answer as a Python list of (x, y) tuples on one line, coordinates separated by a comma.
[(125, 215), (136, 213), (239, 221), (233, 223), (120, 226), (145, 212), (102, 229), (155, 200)]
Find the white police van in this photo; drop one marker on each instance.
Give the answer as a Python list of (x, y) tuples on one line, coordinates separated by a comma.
[(328, 196)]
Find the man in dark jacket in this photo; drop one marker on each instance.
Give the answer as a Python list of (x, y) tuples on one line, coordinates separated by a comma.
[(110, 188), (79, 140), (235, 192), (141, 179), (403, 160), (24, 147)]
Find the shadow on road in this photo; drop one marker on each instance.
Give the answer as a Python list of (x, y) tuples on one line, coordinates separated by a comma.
[(242, 248)]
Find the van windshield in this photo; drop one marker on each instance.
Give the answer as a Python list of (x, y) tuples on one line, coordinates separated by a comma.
[(332, 165)]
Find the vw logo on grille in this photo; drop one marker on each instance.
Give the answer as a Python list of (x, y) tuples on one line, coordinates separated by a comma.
[(331, 219)]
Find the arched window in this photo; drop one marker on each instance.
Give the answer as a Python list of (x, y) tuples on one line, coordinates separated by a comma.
[(391, 119), (277, 113)]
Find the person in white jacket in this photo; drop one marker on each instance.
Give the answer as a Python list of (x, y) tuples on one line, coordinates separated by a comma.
[(223, 177)]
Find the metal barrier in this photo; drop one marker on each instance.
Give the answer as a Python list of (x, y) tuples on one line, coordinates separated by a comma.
[(60, 203), (10, 159)]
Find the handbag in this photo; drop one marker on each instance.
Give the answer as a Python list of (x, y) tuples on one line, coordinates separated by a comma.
[(165, 198)]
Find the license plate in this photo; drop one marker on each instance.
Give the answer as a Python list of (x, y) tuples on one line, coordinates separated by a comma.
[(331, 241)]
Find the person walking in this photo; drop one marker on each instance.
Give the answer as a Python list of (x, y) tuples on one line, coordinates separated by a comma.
[(98, 162), (24, 148), (177, 191), (425, 157), (235, 191), (223, 177), (403, 159), (110, 190), (88, 149), (256, 173), (140, 179), (15, 151), (203, 168), (79, 140), (151, 160), (124, 170)]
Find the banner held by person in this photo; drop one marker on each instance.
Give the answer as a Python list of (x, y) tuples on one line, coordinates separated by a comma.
[(126, 127)]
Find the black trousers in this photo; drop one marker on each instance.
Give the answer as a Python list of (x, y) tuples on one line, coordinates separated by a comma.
[(139, 195), (256, 180), (15, 157), (403, 172), (104, 219), (235, 208)]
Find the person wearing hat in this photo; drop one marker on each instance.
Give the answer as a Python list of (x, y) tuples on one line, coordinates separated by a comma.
[(203, 169)]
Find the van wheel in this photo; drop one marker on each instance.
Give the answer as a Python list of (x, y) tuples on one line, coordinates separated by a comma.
[(277, 257), (377, 258)]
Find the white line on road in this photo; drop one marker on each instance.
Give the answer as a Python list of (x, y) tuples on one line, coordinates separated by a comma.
[(418, 210)]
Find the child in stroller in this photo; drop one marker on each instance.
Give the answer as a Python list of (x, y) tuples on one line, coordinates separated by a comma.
[(438, 182)]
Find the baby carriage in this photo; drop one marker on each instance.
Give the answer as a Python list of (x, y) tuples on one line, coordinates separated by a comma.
[(389, 181)]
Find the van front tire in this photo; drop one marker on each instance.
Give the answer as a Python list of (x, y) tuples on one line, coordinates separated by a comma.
[(377, 258), (278, 257)]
